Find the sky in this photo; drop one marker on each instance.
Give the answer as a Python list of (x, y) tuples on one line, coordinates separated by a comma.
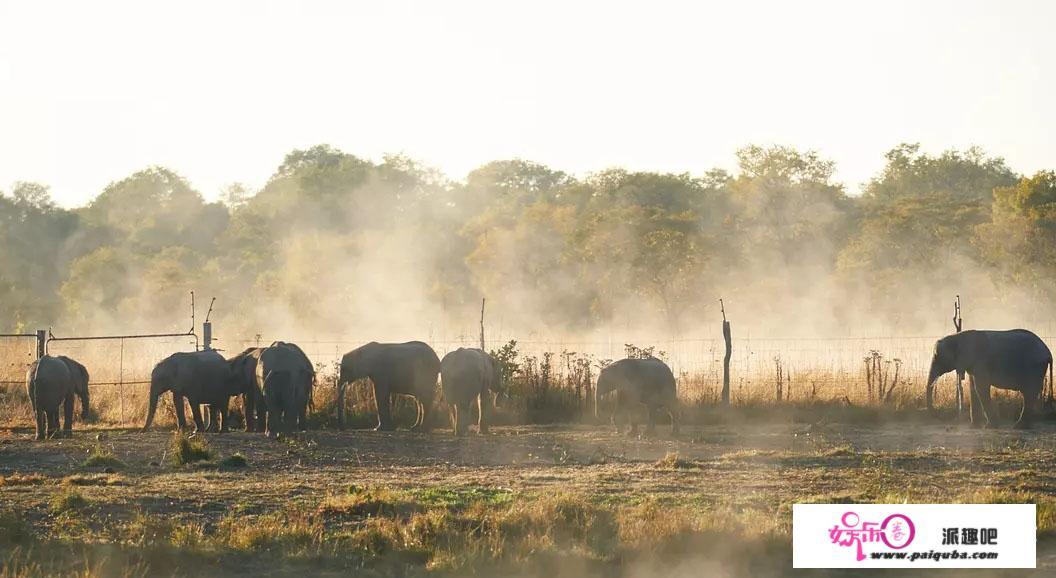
[(220, 91)]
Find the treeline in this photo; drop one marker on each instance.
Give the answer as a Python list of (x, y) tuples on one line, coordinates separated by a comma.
[(337, 244)]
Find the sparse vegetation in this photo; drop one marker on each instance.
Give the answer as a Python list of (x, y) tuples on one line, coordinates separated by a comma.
[(22, 480), (673, 461), (101, 457), (234, 461), (67, 502), (184, 450)]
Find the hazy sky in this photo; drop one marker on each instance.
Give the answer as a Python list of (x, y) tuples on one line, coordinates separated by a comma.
[(220, 91)]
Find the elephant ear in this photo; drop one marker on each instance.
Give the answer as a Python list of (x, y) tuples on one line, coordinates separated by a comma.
[(969, 347), (79, 371)]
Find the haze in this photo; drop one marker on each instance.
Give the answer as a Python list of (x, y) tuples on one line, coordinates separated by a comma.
[(91, 92)]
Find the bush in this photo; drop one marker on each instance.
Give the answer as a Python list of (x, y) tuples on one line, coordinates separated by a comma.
[(186, 450)]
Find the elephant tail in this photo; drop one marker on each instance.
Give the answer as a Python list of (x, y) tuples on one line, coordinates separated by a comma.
[(31, 385), (1050, 382)]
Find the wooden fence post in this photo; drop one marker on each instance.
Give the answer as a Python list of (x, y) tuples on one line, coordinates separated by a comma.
[(42, 343), (957, 325), (726, 358)]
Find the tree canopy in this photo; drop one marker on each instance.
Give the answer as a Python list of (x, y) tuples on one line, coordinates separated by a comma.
[(333, 239)]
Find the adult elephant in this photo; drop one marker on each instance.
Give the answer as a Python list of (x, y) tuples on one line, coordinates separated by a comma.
[(202, 378), (285, 377), (395, 368), (646, 381), (466, 376), (244, 369), (306, 364), (1014, 359), (53, 381)]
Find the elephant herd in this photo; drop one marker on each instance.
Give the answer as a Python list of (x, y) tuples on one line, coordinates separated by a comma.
[(275, 383)]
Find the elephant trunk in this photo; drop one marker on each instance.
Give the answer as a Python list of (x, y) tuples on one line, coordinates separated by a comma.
[(603, 387), (85, 413), (155, 393), (150, 412), (929, 391)]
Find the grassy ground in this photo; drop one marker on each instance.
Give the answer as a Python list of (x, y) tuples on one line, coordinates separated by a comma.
[(527, 500)]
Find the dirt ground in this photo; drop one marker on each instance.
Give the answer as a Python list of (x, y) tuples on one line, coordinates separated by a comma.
[(751, 465)]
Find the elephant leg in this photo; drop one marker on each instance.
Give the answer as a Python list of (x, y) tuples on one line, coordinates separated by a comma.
[(196, 414), (633, 416), (383, 401), (249, 413), (452, 411), (53, 422), (223, 413), (675, 418), (304, 400), (290, 412), (482, 412), (41, 422), (975, 409), (980, 411), (67, 416), (650, 427), (987, 403), (273, 424), (177, 403)]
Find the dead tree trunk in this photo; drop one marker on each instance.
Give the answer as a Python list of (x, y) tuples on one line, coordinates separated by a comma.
[(726, 359)]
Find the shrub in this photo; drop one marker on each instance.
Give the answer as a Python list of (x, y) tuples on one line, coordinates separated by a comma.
[(187, 450)]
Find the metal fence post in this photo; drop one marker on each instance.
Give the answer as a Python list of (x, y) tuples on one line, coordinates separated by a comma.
[(207, 335), (121, 380), (42, 343)]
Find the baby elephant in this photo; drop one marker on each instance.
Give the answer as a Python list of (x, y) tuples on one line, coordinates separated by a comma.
[(466, 375), (648, 382), (51, 381)]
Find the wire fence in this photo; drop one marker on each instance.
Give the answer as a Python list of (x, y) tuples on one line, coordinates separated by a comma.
[(777, 368)]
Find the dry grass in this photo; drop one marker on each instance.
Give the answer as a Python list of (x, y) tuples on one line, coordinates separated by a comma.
[(184, 450), (673, 461), (17, 479), (102, 458)]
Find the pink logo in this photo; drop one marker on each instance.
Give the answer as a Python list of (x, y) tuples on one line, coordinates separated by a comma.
[(896, 532)]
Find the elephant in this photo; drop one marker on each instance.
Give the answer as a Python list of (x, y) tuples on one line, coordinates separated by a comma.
[(244, 367), (302, 416), (1014, 359), (285, 377), (406, 368), (255, 407), (202, 378), (52, 381), (466, 376), (646, 381)]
